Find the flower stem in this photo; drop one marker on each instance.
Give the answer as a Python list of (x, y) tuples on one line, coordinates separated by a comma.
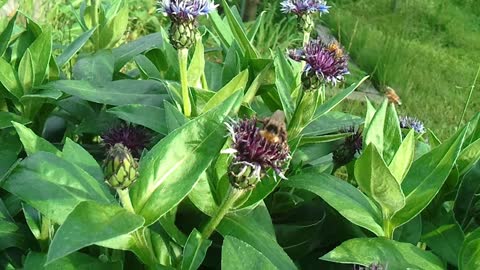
[(469, 97), (306, 38), (124, 196), (231, 197), (183, 62), (388, 229)]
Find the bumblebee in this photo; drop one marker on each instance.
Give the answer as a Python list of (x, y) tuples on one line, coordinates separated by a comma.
[(392, 96), (274, 128), (335, 47)]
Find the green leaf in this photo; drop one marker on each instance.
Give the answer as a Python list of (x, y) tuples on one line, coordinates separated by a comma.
[(170, 170), (239, 33), (96, 68), (7, 118), (343, 197), (26, 73), (9, 79), (375, 179), (54, 186), (251, 233), (11, 236), (197, 65), (374, 132), (470, 253), (238, 255), (467, 197), (80, 157), (41, 50), (331, 122), (89, 223), (128, 51), (173, 117), (74, 47), (221, 28), (195, 251), (33, 143), (333, 102), (403, 158), (148, 116), (285, 83), (7, 33), (426, 177), (468, 157), (236, 84), (75, 261), (391, 254), (392, 134), (115, 28), (147, 67), (121, 92)]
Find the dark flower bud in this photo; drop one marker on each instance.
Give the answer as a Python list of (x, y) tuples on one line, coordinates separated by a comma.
[(346, 152), (133, 137), (119, 166)]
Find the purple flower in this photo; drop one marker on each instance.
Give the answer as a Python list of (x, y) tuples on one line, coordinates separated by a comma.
[(373, 266), (254, 153), (134, 138), (185, 10), (408, 122), (301, 7), (327, 62), (352, 145)]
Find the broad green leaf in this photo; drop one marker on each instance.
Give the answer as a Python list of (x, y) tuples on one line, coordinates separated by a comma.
[(468, 157), (238, 255), (54, 186), (470, 253), (403, 158), (42, 96), (7, 32), (89, 223), (433, 139), (74, 47), (332, 122), (9, 79), (252, 32), (370, 112), (232, 64), (333, 102), (285, 83), (96, 68), (236, 84), (250, 233), (467, 198), (128, 51), (375, 179), (114, 29), (41, 51), (33, 143), (239, 33), (197, 65), (303, 114), (443, 236), (426, 177), (409, 232), (80, 157), (33, 219), (147, 67), (148, 116), (221, 28), (11, 236), (392, 134), (173, 117), (7, 118), (172, 167), (26, 73), (389, 253), (195, 251), (343, 197), (254, 87), (121, 92), (75, 261), (374, 132)]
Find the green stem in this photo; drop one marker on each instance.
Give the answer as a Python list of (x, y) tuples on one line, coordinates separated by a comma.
[(44, 239), (306, 38), (203, 79), (469, 97), (388, 229), (124, 196), (231, 197), (183, 62), (95, 5)]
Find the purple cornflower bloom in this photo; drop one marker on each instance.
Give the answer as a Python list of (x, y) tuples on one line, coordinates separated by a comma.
[(185, 10), (327, 62), (134, 138), (408, 122), (301, 7), (253, 154)]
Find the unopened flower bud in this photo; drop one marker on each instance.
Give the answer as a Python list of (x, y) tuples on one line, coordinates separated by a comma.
[(120, 168)]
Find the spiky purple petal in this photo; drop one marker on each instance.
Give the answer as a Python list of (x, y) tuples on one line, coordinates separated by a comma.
[(301, 7)]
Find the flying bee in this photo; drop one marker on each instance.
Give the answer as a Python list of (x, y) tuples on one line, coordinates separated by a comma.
[(392, 96), (334, 46), (274, 128)]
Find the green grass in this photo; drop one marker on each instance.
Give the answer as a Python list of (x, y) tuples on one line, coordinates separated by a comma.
[(429, 51)]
